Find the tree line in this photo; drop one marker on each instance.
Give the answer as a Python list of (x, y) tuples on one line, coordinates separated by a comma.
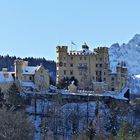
[(8, 62)]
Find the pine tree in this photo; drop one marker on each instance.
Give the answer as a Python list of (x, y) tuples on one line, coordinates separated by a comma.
[(113, 124), (14, 99), (1, 98), (126, 131)]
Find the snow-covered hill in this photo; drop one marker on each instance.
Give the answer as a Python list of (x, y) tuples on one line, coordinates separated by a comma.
[(130, 53)]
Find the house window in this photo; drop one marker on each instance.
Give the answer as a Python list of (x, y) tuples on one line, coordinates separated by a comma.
[(104, 79), (112, 78), (100, 59)]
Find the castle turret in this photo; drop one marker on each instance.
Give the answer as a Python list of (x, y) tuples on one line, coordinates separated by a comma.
[(18, 68), (61, 53), (102, 64)]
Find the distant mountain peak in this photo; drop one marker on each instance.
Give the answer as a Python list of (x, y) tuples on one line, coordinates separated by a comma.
[(135, 40), (130, 53)]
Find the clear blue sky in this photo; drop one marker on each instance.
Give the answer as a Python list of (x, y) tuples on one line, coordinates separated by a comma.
[(36, 27)]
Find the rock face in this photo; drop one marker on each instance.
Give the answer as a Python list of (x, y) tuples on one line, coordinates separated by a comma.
[(130, 54)]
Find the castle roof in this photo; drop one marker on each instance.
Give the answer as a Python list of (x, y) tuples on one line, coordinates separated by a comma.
[(6, 77), (83, 51), (30, 70)]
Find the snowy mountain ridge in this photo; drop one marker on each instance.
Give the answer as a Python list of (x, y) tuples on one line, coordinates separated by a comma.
[(130, 54)]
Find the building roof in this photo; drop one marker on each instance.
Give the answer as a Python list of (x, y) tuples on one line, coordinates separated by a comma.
[(83, 52), (6, 77), (30, 70)]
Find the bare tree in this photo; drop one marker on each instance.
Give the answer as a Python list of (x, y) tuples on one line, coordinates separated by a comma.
[(14, 126)]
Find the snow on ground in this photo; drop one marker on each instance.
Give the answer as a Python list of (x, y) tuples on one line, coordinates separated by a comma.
[(135, 84)]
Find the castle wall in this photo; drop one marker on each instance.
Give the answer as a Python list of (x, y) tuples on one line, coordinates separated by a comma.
[(84, 66)]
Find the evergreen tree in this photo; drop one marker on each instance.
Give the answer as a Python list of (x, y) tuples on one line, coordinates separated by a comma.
[(113, 124), (126, 132), (1, 98), (14, 99), (14, 126), (91, 132)]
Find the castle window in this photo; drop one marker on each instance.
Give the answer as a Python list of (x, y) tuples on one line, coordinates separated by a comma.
[(41, 78), (30, 78), (64, 58), (104, 73), (112, 78), (96, 65), (64, 64), (80, 72), (100, 72), (80, 58), (100, 65), (60, 64), (104, 79), (64, 72), (101, 59), (96, 72), (71, 65), (85, 58), (112, 89), (71, 58), (71, 72)]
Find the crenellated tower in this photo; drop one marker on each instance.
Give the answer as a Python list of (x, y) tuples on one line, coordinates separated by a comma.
[(18, 64), (102, 64), (61, 62)]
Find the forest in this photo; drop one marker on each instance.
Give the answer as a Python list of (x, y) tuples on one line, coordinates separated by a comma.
[(8, 62)]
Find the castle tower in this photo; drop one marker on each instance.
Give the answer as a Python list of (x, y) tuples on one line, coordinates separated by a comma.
[(18, 64), (61, 62), (122, 73), (102, 64)]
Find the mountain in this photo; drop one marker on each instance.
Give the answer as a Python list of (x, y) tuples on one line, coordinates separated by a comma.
[(130, 54)]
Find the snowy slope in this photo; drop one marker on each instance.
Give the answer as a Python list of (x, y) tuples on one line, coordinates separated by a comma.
[(130, 53)]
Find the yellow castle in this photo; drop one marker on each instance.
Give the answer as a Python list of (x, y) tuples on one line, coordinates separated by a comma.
[(90, 68)]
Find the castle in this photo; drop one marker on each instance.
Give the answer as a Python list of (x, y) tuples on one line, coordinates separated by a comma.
[(90, 68), (26, 77), (31, 77)]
